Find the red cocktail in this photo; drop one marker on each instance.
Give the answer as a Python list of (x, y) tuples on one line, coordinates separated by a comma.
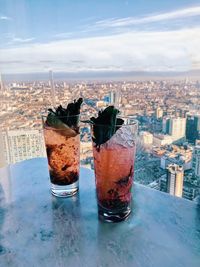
[(114, 168), (62, 140)]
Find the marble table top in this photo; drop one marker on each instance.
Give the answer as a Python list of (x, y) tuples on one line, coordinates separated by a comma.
[(38, 229)]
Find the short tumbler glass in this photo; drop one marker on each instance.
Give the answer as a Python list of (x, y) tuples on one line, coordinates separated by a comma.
[(114, 168), (63, 154)]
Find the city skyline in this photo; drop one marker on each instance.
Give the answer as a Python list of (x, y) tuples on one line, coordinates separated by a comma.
[(119, 36), (167, 112)]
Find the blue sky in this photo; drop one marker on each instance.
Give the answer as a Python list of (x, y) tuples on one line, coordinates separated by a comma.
[(104, 35)]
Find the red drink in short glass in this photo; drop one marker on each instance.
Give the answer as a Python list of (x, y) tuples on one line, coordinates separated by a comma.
[(63, 154)]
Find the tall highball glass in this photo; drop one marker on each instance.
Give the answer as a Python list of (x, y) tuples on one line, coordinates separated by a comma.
[(114, 169)]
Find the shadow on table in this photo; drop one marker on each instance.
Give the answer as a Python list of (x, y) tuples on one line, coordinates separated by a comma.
[(197, 221), (66, 226), (2, 218), (113, 242), (5, 197)]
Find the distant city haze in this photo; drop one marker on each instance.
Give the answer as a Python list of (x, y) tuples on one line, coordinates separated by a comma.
[(101, 76)]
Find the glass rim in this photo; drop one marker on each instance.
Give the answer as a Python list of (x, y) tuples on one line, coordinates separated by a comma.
[(71, 116), (48, 127), (133, 122)]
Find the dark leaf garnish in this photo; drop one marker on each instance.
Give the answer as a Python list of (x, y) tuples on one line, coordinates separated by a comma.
[(105, 125), (66, 116)]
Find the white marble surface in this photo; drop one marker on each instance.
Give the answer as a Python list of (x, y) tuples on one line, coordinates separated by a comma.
[(37, 229)]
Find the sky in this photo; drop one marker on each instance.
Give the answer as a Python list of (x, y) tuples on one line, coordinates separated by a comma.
[(80, 36)]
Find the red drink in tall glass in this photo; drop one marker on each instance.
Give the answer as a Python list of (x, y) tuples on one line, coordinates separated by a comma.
[(114, 168)]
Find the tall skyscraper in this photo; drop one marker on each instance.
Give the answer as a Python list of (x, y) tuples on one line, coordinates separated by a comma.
[(53, 94), (193, 128), (114, 98), (20, 145), (190, 129), (196, 161), (177, 128), (165, 125), (1, 83), (175, 175), (197, 126)]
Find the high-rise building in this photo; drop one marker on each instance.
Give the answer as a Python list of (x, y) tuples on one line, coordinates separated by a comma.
[(197, 126), (177, 127), (165, 125), (193, 128), (146, 138), (20, 145), (174, 184), (159, 113), (196, 161), (114, 98), (190, 191), (190, 129), (163, 183), (51, 83), (1, 83)]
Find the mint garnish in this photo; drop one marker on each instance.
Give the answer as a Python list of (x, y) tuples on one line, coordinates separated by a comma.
[(105, 125)]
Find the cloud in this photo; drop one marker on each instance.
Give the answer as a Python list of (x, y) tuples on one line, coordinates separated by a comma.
[(46, 61), (11, 62), (5, 18), (63, 34), (156, 51), (77, 61), (130, 21), (21, 40)]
